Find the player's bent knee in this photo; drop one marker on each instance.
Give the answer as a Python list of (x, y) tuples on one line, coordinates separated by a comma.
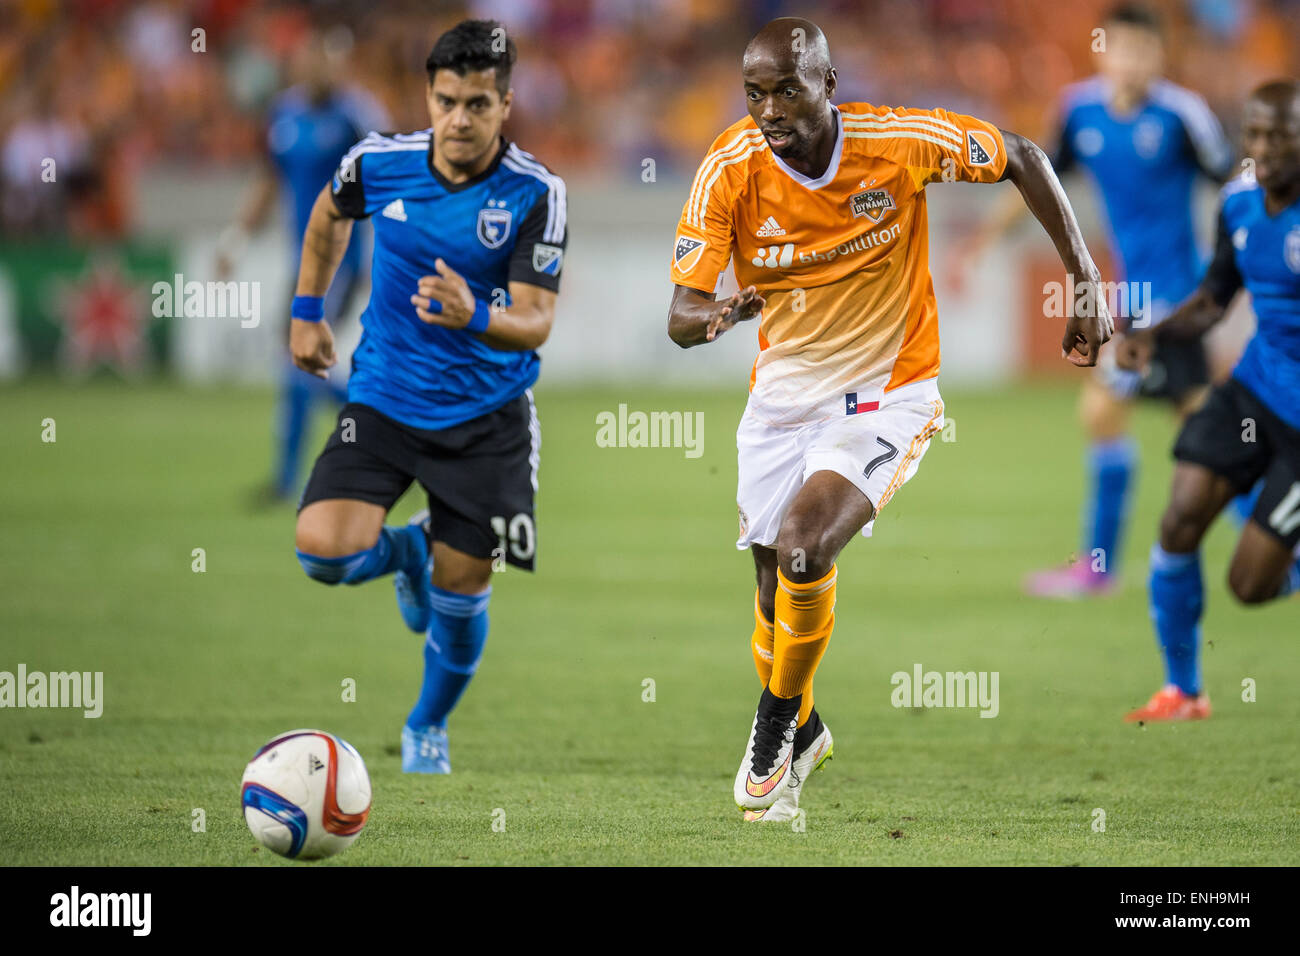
[(460, 576), (327, 540), (806, 553), (1181, 529), (1249, 586), (323, 554)]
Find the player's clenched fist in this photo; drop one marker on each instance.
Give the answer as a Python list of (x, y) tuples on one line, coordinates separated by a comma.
[(1089, 327), (455, 301), (740, 306), (312, 346)]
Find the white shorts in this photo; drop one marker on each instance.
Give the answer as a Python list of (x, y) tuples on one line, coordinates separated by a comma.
[(877, 451)]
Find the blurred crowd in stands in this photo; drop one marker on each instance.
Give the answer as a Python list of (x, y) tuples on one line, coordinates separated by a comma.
[(106, 88)]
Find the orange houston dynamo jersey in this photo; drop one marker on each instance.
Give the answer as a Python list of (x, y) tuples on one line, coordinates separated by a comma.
[(842, 261)]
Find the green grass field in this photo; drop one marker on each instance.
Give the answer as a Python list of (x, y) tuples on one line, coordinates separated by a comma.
[(637, 579)]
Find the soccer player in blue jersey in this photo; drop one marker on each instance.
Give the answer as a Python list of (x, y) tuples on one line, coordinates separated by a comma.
[(469, 241), (309, 127), (1248, 431), (1144, 142)]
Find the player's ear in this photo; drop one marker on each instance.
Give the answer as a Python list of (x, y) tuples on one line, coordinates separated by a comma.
[(506, 102), (830, 83)]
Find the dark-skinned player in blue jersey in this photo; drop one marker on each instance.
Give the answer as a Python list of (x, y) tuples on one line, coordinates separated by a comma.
[(1248, 431), (469, 242)]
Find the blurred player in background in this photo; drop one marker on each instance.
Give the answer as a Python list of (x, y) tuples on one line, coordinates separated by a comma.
[(1249, 429), (469, 242), (309, 127), (1144, 142), (822, 211)]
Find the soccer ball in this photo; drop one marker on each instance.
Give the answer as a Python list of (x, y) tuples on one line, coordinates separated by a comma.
[(306, 794)]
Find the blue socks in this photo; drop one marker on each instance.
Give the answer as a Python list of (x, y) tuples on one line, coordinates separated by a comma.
[(457, 632), (1177, 600), (451, 654), (1110, 472), (398, 547)]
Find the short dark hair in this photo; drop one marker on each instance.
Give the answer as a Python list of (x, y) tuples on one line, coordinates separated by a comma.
[(474, 45), (1136, 15)]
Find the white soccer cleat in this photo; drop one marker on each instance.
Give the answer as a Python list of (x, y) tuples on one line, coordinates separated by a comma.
[(765, 769), (804, 766)]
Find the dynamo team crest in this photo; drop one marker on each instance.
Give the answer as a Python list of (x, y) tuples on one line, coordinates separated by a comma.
[(493, 227)]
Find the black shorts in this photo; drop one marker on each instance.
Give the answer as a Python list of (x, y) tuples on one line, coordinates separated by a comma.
[(480, 476), (1237, 436), (1176, 368)]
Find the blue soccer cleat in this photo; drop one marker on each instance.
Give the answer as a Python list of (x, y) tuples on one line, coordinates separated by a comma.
[(414, 597), (424, 750)]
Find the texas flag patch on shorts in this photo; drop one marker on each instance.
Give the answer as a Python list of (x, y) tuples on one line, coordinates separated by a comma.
[(854, 407)]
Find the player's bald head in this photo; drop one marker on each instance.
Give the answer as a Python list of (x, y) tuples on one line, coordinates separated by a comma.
[(1270, 135), (790, 44), (1282, 97), (789, 83)]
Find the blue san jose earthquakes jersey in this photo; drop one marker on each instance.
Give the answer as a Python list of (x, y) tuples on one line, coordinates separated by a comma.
[(305, 142), (505, 225), (1262, 253), (1145, 165)]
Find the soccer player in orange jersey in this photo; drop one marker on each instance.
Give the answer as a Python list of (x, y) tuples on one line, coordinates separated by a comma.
[(822, 210)]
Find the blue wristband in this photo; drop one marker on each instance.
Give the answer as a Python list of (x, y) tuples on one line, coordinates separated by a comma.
[(479, 321), (309, 308)]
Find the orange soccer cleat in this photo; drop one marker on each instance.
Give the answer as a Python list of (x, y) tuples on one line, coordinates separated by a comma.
[(1170, 703)]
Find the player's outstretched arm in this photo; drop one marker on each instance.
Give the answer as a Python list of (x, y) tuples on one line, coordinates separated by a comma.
[(446, 299), (1192, 319), (695, 318), (1197, 314), (311, 343), (1030, 169)]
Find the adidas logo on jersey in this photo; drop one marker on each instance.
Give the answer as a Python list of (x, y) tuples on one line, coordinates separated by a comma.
[(395, 210), (770, 228)]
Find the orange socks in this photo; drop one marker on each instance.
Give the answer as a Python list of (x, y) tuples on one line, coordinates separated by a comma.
[(805, 615), (762, 643)]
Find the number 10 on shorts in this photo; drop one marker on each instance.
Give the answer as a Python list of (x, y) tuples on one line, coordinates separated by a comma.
[(517, 534)]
